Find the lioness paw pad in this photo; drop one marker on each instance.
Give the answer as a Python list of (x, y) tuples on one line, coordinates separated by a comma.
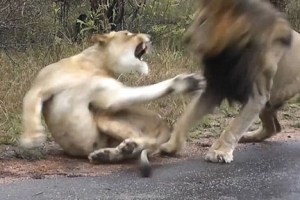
[(189, 82)]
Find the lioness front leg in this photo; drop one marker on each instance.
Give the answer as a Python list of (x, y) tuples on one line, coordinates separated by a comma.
[(223, 147), (117, 96)]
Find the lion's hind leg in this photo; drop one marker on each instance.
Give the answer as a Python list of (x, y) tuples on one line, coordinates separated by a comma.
[(270, 126)]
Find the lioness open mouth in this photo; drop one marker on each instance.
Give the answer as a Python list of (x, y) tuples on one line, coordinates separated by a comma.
[(140, 50)]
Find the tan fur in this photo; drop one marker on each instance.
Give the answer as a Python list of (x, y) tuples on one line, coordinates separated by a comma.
[(269, 51), (89, 112)]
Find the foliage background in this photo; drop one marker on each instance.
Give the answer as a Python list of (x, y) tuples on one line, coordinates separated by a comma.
[(35, 33)]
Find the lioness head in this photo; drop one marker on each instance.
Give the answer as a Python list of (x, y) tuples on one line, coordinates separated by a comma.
[(124, 50)]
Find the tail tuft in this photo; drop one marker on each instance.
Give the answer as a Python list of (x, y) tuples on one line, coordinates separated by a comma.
[(144, 165)]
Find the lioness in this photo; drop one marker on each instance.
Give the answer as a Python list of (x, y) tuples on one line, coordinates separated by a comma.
[(89, 112), (249, 54)]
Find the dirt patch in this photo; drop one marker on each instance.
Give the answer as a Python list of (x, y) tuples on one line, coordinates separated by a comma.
[(50, 161)]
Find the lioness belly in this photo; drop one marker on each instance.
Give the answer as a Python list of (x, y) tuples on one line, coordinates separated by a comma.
[(72, 125)]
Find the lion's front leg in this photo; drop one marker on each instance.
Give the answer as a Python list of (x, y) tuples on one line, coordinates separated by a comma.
[(199, 107), (222, 149)]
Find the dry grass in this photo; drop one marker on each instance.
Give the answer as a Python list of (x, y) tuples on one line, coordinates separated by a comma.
[(18, 69), (164, 19)]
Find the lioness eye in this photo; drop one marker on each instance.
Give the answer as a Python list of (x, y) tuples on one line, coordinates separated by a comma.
[(128, 33), (202, 21)]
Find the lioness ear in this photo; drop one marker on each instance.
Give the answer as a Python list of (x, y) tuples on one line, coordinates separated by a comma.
[(102, 39)]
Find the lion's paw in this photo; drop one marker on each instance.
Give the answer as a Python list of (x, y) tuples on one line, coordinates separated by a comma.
[(32, 140), (219, 156), (188, 83), (169, 149)]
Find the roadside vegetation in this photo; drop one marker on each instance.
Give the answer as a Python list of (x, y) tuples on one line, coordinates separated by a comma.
[(35, 33)]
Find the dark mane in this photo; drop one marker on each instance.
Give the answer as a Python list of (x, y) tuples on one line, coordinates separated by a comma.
[(231, 73)]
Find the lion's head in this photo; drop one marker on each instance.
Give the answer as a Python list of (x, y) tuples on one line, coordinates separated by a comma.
[(220, 24), (124, 50), (232, 38)]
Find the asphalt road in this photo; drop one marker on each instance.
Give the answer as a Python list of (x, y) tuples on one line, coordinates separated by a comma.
[(260, 172)]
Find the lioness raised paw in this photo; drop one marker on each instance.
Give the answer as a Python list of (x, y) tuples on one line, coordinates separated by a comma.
[(32, 139), (188, 83)]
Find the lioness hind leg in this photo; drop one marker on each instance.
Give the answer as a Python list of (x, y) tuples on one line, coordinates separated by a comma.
[(270, 126), (117, 129), (137, 145), (33, 135), (129, 148), (42, 90), (148, 132), (109, 155), (141, 147)]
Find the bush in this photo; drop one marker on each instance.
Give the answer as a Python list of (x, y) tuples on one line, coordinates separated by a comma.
[(35, 33)]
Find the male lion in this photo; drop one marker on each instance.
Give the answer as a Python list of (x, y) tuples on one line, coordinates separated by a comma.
[(249, 55), (89, 112)]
